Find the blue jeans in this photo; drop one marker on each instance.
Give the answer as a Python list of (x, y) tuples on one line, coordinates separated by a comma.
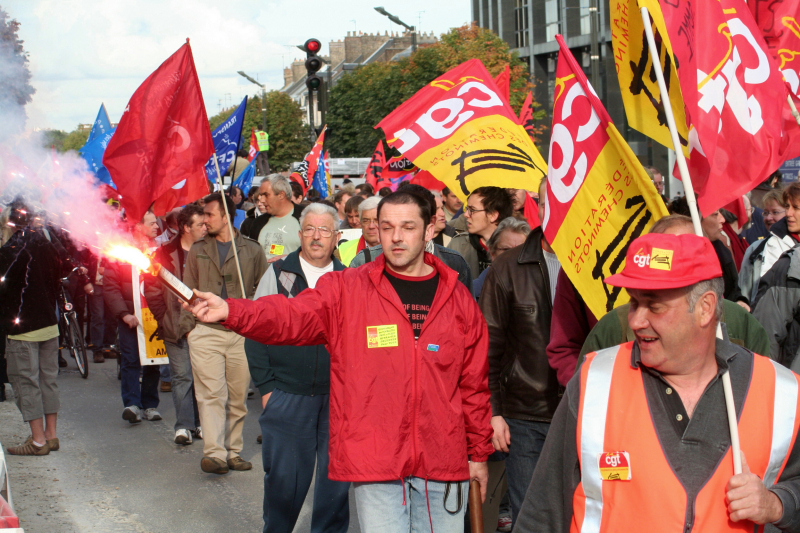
[(295, 432), (180, 365), (527, 441), (144, 394), (402, 507)]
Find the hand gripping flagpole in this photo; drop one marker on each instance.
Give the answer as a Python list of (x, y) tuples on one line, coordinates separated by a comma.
[(230, 228), (692, 201)]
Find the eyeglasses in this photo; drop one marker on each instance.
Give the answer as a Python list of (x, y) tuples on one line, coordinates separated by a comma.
[(309, 231), (774, 213), (471, 210)]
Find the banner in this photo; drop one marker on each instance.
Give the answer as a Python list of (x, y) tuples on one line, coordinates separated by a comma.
[(95, 147), (152, 351), (735, 98), (253, 146), (460, 130), (227, 137), (779, 24), (162, 144), (526, 119), (304, 174), (641, 96), (599, 197)]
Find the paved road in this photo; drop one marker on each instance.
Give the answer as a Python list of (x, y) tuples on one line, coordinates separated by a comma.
[(110, 476)]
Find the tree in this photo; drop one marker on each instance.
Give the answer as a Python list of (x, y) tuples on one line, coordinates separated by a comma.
[(288, 136), (363, 98), (54, 139), (15, 88), (76, 139)]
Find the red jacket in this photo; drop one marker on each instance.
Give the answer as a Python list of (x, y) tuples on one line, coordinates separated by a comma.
[(417, 409)]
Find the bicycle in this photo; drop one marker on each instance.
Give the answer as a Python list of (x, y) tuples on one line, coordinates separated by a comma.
[(71, 334)]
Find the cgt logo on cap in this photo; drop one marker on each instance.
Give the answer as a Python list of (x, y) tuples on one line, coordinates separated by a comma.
[(658, 259)]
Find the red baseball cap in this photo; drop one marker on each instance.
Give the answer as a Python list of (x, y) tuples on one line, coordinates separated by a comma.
[(661, 261)]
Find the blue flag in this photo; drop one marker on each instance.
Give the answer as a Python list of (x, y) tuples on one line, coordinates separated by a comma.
[(245, 179), (227, 138), (95, 147), (320, 182), (101, 126)]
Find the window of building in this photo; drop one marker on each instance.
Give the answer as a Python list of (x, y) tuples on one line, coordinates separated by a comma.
[(551, 17), (586, 21), (521, 23)]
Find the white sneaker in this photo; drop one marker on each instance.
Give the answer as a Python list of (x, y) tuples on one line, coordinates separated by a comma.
[(151, 414), (132, 414), (183, 436)]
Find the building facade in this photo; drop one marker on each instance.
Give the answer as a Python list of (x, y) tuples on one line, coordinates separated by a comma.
[(530, 28)]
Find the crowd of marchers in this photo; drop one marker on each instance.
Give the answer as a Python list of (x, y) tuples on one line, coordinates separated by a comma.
[(442, 344)]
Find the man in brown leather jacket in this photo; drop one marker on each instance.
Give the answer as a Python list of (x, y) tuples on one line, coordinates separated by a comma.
[(517, 301)]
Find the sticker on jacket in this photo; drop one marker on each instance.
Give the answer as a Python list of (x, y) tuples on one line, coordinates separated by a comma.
[(614, 466), (276, 249), (382, 336)]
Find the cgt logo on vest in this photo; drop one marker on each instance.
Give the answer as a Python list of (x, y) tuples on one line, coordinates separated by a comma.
[(614, 466), (657, 258)]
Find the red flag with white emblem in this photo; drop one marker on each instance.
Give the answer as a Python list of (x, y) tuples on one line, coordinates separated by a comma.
[(735, 98), (162, 144), (778, 21)]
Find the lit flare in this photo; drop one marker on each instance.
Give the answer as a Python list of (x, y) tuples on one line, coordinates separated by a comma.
[(129, 254)]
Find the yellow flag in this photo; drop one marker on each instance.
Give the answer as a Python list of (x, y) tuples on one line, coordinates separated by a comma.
[(641, 96), (599, 197)]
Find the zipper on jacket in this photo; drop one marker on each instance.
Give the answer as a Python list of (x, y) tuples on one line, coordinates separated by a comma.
[(316, 367), (415, 400)]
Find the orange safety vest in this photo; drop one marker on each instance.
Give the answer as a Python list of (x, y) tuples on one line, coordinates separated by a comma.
[(614, 417)]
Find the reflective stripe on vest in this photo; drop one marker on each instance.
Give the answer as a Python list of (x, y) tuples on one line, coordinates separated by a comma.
[(614, 417), (783, 421), (593, 424)]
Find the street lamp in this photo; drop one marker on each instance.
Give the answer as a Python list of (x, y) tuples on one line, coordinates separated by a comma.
[(264, 160), (396, 20)]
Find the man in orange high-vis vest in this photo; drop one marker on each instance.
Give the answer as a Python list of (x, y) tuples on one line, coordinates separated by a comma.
[(640, 441)]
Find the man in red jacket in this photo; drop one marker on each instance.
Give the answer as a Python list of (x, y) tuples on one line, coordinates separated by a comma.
[(409, 409)]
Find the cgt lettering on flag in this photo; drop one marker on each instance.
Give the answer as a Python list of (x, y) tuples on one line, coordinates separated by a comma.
[(460, 130), (599, 197)]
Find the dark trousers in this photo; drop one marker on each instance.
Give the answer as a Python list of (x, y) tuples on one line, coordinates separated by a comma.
[(100, 334), (527, 441), (295, 431), (144, 394)]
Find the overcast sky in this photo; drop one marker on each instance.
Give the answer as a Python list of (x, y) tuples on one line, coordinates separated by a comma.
[(87, 52)]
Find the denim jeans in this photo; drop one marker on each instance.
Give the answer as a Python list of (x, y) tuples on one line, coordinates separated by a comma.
[(402, 507), (180, 366), (102, 326), (144, 394), (527, 441), (295, 430)]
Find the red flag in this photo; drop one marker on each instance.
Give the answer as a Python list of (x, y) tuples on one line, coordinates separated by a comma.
[(427, 180), (253, 146), (778, 22), (735, 99), (305, 172), (526, 115), (396, 171), (163, 142), (374, 173), (503, 81), (531, 212)]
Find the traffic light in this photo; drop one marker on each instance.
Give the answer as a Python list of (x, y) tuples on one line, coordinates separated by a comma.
[(313, 64)]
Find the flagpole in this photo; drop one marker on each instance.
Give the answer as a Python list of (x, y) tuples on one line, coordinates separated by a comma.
[(692, 201), (230, 228)]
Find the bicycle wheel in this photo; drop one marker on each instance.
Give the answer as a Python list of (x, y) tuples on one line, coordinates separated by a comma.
[(77, 346)]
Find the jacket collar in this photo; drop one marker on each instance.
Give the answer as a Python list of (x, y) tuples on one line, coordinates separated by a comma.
[(210, 246), (531, 251), (447, 283), (291, 263), (780, 228)]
